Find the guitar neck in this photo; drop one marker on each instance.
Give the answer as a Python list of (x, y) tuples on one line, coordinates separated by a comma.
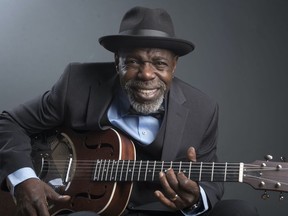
[(132, 170)]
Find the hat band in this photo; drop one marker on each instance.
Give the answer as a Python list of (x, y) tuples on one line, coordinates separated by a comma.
[(145, 32)]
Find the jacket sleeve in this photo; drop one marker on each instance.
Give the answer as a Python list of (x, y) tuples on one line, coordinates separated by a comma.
[(16, 126)]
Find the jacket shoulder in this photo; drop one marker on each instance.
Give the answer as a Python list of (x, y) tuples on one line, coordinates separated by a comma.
[(193, 94), (103, 70)]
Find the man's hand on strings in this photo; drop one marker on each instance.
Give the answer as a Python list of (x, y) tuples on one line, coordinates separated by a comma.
[(32, 197), (179, 192)]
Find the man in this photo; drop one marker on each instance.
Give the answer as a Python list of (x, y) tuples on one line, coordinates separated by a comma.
[(166, 119)]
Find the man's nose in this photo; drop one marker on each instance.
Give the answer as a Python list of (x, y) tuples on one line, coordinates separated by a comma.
[(147, 71)]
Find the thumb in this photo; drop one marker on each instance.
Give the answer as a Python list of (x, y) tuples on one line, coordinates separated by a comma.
[(191, 154), (54, 196)]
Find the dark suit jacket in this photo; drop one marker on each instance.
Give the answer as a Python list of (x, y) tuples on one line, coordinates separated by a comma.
[(80, 99)]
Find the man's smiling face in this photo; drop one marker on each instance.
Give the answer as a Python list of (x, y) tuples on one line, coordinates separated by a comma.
[(146, 75)]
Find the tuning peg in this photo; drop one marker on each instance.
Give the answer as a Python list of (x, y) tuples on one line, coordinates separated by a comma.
[(265, 196), (283, 158), (281, 197), (268, 157)]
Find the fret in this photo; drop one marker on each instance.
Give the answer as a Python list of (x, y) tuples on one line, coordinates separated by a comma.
[(153, 172), (167, 166), (95, 170), (225, 172), (121, 172), (147, 164), (111, 172), (133, 170), (200, 172), (212, 171), (139, 171), (189, 172), (99, 171), (127, 170), (180, 165), (162, 166), (116, 171), (103, 170), (107, 170)]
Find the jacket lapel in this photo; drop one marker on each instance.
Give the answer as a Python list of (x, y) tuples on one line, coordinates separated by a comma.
[(176, 121), (100, 96)]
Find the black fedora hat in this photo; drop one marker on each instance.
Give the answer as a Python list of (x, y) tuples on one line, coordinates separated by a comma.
[(144, 27)]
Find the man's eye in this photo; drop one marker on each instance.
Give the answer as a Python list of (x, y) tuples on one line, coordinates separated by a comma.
[(160, 63), (132, 62)]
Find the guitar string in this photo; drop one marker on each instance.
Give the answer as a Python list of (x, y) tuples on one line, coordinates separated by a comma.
[(88, 165), (208, 165)]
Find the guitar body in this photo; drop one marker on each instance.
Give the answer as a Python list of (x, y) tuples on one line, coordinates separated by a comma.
[(77, 169), (105, 198)]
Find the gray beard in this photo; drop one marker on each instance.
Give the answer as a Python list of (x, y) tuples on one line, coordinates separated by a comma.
[(144, 108)]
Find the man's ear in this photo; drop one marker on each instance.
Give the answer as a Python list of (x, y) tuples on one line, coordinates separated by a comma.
[(175, 63), (116, 59)]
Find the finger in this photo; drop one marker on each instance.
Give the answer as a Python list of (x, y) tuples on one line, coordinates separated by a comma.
[(168, 182), (188, 189), (191, 154), (38, 207), (54, 196), (27, 210), (172, 179), (42, 209), (185, 183), (162, 198)]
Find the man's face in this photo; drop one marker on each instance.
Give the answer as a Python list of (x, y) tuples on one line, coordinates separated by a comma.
[(146, 75)]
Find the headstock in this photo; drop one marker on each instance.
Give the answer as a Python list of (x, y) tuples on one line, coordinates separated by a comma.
[(267, 175)]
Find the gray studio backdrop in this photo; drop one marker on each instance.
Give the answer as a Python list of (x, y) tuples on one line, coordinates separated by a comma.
[(240, 60)]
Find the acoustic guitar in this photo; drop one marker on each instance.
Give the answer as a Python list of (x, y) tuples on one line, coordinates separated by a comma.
[(97, 169)]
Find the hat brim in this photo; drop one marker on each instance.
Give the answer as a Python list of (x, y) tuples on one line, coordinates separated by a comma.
[(115, 42)]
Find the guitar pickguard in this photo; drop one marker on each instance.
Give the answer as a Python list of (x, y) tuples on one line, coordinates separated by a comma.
[(53, 159)]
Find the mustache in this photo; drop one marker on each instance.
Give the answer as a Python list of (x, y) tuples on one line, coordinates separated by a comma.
[(145, 84)]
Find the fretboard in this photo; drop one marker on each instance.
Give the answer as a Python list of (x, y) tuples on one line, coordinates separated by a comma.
[(131, 170)]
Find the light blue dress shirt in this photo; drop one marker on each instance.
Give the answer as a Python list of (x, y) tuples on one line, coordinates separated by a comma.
[(143, 128)]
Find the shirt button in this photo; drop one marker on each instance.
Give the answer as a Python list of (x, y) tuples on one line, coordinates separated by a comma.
[(143, 132)]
